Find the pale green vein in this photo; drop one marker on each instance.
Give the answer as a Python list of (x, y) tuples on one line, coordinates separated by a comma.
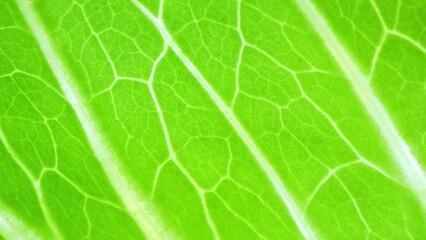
[(355, 204), (402, 155), (260, 199), (408, 39), (240, 55), (36, 185), (144, 215), (45, 120), (172, 155), (229, 208), (329, 119), (331, 172), (86, 215), (273, 176), (12, 227), (79, 189)]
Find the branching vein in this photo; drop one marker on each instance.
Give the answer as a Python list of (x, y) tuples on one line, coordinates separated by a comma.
[(402, 155), (143, 214), (272, 175)]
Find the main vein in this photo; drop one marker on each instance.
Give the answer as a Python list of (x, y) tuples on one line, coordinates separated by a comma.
[(140, 210), (273, 176), (13, 227), (402, 155)]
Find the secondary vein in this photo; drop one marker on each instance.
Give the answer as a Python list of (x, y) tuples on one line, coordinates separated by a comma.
[(402, 155), (37, 189), (272, 175), (139, 209)]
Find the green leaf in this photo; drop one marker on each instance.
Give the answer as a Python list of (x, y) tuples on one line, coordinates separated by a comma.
[(224, 119)]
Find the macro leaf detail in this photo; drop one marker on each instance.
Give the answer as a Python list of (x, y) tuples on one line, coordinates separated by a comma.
[(225, 119)]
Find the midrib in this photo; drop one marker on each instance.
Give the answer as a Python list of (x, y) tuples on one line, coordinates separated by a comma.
[(139, 209), (11, 227), (402, 156), (273, 176)]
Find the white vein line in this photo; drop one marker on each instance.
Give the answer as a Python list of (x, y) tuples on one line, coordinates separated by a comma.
[(377, 55), (142, 213), (36, 185), (355, 204), (402, 155), (273, 176), (408, 39), (12, 227), (378, 13), (172, 155), (240, 55), (236, 215), (331, 173)]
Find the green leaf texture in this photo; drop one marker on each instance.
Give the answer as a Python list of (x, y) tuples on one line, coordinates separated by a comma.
[(212, 119)]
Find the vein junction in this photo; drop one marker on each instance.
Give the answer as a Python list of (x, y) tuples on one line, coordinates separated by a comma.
[(137, 208), (132, 201), (274, 178), (402, 155)]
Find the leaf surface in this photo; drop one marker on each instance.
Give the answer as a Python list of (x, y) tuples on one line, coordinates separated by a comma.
[(295, 119)]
